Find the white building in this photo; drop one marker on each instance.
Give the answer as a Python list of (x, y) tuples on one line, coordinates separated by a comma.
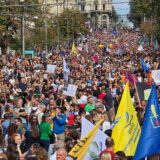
[(99, 12)]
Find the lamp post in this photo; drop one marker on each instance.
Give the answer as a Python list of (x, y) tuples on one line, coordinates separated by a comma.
[(22, 28), (46, 32), (58, 26)]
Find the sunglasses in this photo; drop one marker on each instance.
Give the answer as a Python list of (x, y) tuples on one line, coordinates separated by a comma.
[(51, 108)]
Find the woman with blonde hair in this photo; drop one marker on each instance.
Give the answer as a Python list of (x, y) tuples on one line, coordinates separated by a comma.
[(106, 156), (3, 156)]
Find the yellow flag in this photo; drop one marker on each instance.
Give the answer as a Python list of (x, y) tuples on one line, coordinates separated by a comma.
[(74, 50), (126, 131), (110, 45), (80, 149), (101, 45)]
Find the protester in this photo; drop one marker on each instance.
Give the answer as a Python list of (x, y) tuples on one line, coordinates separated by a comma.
[(35, 103)]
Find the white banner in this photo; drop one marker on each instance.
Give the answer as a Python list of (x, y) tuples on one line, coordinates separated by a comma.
[(98, 143), (51, 68), (156, 76), (71, 90)]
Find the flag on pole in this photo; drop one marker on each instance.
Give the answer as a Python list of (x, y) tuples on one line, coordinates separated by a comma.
[(66, 70), (126, 129), (129, 77), (63, 54), (149, 141), (74, 50), (114, 33), (144, 66), (98, 142), (80, 149)]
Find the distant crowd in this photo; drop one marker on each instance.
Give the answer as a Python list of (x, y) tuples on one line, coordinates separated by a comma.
[(39, 122)]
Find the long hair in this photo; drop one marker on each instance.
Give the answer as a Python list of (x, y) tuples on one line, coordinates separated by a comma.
[(34, 130), (11, 129), (2, 140), (106, 156), (44, 117)]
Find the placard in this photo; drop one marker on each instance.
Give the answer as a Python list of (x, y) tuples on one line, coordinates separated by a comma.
[(71, 90), (51, 68), (146, 94), (156, 76)]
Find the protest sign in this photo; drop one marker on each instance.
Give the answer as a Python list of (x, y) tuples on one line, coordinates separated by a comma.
[(51, 68), (156, 76), (140, 87), (71, 90), (146, 94)]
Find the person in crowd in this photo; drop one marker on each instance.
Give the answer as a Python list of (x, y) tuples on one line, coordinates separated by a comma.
[(59, 122), (40, 113), (61, 154), (41, 154), (45, 131), (32, 119), (6, 123), (32, 135), (71, 114), (21, 129), (109, 148), (106, 156), (90, 105)]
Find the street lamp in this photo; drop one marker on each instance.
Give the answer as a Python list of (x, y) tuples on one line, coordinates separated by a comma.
[(22, 28), (46, 32)]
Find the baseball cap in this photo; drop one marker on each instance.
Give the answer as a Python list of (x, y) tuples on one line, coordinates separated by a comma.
[(100, 106)]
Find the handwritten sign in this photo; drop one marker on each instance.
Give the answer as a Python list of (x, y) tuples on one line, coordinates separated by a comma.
[(71, 90)]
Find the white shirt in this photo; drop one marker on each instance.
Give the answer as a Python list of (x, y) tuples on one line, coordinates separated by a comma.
[(54, 156)]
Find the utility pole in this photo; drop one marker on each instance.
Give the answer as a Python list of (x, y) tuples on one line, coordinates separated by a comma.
[(73, 26), (46, 32), (22, 29), (67, 26), (58, 27)]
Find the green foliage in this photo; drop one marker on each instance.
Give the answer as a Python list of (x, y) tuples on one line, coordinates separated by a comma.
[(10, 23), (15, 44), (114, 15), (76, 21), (146, 14)]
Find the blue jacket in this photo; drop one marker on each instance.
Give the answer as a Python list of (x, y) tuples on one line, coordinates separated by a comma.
[(5, 125), (59, 124)]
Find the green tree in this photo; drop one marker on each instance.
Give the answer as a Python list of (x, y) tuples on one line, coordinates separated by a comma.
[(76, 24), (115, 16), (10, 22), (146, 15)]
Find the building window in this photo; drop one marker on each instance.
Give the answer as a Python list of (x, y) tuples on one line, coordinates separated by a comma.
[(96, 7), (104, 17), (82, 7), (104, 7)]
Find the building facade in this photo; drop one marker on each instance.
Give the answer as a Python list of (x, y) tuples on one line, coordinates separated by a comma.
[(99, 12)]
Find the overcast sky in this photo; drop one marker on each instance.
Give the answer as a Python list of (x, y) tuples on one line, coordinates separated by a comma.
[(122, 9)]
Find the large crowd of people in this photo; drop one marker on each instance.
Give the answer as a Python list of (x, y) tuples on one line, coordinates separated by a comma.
[(39, 122)]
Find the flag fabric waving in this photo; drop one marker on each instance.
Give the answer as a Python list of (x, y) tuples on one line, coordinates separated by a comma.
[(66, 70), (130, 77), (80, 149), (126, 129), (149, 141), (98, 142), (144, 66), (74, 50)]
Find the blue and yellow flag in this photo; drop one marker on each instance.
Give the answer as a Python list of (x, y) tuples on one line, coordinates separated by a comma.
[(81, 148), (126, 131), (74, 49), (144, 66), (149, 142)]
